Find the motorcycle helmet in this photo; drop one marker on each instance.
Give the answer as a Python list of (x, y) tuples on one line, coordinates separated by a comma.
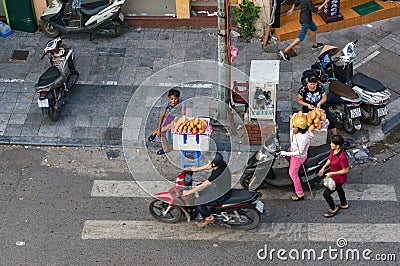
[(300, 122), (218, 159)]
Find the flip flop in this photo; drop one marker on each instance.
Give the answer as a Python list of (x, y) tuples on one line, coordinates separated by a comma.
[(330, 214), (297, 198), (343, 208), (205, 222), (151, 138)]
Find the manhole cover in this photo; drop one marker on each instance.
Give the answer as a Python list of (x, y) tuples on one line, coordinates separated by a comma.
[(19, 55)]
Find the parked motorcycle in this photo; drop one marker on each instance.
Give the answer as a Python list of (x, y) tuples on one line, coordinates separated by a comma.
[(373, 94), (242, 210), (57, 80), (343, 102), (260, 166), (67, 16)]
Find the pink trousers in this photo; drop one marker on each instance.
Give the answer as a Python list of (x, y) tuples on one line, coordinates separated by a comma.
[(295, 164)]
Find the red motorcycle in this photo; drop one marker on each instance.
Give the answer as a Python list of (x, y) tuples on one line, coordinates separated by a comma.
[(243, 209)]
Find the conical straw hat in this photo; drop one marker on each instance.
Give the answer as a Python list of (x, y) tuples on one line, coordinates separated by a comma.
[(327, 48)]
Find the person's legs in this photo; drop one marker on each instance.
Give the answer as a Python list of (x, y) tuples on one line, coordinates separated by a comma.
[(327, 195), (292, 45), (203, 210), (303, 32), (295, 164), (332, 208), (313, 29), (342, 195), (166, 126)]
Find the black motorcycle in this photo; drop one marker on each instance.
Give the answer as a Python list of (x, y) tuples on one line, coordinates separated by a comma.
[(260, 166), (343, 102), (55, 83)]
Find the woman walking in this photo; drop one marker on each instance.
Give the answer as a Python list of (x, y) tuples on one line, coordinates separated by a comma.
[(298, 153), (339, 167)]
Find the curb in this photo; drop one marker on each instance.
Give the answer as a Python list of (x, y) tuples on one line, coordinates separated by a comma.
[(391, 123)]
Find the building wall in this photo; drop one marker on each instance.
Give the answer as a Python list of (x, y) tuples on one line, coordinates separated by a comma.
[(137, 7)]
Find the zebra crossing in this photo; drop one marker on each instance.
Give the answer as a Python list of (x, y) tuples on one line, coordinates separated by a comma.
[(286, 232)]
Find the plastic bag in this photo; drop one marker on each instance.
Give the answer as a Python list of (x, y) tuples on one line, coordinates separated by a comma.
[(330, 183)]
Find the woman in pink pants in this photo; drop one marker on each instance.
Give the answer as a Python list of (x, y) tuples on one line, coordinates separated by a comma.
[(298, 152)]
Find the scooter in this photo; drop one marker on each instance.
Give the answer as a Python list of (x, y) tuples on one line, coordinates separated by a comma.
[(70, 16), (242, 210), (343, 102), (260, 166), (54, 84), (373, 94)]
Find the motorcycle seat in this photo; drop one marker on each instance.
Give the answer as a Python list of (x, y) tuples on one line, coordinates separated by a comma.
[(51, 74), (91, 9), (341, 89), (317, 154), (367, 83), (240, 195)]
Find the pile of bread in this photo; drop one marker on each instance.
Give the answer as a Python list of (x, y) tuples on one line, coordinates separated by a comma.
[(195, 125), (314, 118)]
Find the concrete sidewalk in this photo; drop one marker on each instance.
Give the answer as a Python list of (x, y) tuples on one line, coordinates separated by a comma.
[(111, 69)]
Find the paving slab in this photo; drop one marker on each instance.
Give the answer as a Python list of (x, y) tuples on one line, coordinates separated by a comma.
[(111, 69)]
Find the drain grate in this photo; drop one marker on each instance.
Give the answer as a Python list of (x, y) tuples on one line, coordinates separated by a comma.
[(20, 55)]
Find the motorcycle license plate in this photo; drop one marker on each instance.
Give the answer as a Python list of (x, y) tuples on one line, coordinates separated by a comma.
[(382, 111), (121, 16), (43, 103), (356, 112), (260, 206)]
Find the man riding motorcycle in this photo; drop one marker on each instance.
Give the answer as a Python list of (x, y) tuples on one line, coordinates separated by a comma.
[(214, 190)]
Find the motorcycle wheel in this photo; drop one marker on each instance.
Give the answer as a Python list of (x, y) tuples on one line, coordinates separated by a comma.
[(374, 120), (250, 218), (157, 207), (54, 114), (49, 30), (245, 181), (347, 122)]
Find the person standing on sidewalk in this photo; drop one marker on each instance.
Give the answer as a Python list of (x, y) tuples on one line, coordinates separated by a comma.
[(306, 9), (312, 96), (339, 168), (173, 109)]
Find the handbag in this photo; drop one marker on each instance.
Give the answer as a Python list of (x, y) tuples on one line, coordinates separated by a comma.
[(330, 183)]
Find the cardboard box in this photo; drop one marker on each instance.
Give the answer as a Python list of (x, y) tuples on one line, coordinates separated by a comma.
[(192, 142), (320, 136)]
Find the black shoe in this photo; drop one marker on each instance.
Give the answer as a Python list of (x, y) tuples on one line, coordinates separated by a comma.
[(284, 56), (319, 45)]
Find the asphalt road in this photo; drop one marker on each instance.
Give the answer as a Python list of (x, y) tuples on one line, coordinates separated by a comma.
[(49, 202)]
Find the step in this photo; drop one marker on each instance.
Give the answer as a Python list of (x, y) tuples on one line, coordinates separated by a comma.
[(290, 28)]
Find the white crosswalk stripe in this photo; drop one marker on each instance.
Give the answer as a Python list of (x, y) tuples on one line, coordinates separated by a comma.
[(287, 232), (108, 188)]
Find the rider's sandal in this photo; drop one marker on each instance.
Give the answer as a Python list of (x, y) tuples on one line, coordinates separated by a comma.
[(151, 138), (297, 198), (330, 213), (205, 222), (162, 151)]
